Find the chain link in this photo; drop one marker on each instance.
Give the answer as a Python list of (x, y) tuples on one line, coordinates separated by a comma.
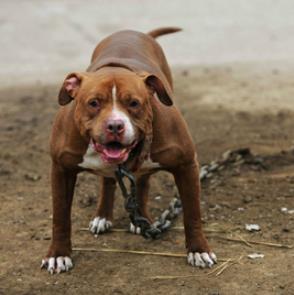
[(164, 221)]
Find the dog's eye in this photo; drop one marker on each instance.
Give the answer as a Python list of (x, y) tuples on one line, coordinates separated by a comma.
[(94, 103), (134, 103)]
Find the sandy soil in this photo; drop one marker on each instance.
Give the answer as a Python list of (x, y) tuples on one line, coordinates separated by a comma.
[(226, 108)]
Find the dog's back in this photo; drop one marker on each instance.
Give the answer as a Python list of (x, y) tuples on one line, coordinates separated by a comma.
[(134, 50)]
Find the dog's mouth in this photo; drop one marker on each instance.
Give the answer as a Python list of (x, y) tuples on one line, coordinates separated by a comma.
[(114, 151)]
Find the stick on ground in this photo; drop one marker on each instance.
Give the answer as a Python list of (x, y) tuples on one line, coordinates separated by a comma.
[(256, 242), (166, 254)]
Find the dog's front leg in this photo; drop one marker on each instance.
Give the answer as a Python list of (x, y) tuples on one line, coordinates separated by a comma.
[(142, 198), (187, 180), (103, 219), (63, 183)]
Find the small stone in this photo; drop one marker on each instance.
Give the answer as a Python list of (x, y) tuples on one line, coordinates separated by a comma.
[(252, 227), (215, 207), (32, 176), (287, 211), (255, 256), (203, 172), (213, 166), (226, 155), (247, 199)]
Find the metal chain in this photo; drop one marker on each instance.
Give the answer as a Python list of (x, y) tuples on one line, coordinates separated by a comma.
[(164, 221), (148, 230)]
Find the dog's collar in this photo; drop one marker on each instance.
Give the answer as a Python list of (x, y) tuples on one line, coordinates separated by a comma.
[(139, 154)]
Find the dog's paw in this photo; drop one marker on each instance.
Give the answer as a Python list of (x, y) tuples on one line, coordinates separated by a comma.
[(201, 259), (57, 264), (134, 229), (99, 225)]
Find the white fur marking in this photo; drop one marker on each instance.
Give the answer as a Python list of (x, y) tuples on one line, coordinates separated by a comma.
[(201, 260), (92, 160), (114, 97), (135, 230), (51, 265), (129, 135), (57, 264), (68, 263), (149, 164), (60, 264), (99, 225), (205, 257), (213, 257)]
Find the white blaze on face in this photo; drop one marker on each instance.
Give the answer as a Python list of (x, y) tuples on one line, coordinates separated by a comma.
[(116, 114)]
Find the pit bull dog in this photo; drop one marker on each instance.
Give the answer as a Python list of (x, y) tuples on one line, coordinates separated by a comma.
[(121, 110)]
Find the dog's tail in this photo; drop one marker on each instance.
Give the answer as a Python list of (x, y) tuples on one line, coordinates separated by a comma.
[(163, 31)]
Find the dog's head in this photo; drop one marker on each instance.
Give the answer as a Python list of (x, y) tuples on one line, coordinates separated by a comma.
[(113, 108)]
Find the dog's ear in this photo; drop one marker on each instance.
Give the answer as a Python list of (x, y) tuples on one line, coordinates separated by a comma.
[(69, 88), (163, 90)]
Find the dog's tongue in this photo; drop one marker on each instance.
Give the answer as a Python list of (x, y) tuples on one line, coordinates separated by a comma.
[(112, 154)]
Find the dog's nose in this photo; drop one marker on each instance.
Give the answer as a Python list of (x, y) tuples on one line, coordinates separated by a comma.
[(115, 126)]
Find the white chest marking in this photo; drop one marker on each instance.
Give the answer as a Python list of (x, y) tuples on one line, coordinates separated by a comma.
[(149, 165), (92, 160)]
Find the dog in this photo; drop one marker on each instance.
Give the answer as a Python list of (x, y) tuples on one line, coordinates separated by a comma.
[(121, 110)]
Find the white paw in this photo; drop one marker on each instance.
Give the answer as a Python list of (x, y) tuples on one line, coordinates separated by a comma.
[(202, 260), (135, 230), (99, 225), (57, 264)]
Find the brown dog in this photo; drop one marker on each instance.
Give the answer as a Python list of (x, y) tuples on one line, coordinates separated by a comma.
[(121, 111)]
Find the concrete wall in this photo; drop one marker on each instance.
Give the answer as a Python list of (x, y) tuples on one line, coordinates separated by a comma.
[(43, 40)]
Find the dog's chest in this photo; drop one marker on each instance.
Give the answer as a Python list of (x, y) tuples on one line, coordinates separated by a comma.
[(92, 161)]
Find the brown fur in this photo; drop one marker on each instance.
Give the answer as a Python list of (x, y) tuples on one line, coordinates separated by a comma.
[(136, 63)]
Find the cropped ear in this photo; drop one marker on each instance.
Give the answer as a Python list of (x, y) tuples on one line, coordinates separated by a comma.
[(163, 90), (69, 88)]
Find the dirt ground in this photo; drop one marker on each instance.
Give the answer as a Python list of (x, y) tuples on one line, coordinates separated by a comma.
[(226, 107)]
